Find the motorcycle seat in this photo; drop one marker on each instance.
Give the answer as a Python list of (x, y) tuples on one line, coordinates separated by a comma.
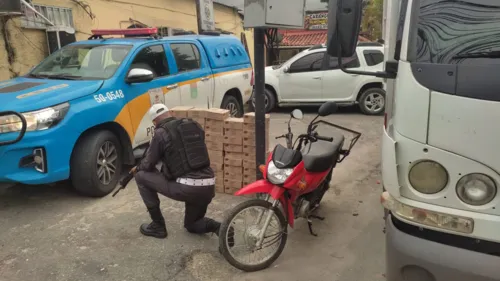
[(322, 155)]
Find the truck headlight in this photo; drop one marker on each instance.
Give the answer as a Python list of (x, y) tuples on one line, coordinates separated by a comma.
[(427, 217), (35, 120), (476, 189), (276, 175), (428, 177)]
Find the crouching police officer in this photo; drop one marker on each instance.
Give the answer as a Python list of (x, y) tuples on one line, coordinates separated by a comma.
[(178, 146)]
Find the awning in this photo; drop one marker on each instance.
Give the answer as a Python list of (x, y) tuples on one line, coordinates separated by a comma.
[(306, 38)]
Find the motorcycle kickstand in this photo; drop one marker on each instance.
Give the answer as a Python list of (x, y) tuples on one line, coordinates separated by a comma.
[(309, 223), (317, 217)]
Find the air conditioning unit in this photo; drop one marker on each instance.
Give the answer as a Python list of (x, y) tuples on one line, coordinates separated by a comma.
[(10, 8), (58, 37)]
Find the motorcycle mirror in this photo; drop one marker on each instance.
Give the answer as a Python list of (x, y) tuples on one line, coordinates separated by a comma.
[(297, 114), (327, 108)]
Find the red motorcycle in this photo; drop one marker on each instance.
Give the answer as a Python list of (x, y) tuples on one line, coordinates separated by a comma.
[(295, 179)]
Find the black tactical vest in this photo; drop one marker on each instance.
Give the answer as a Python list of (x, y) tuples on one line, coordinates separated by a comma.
[(187, 151)]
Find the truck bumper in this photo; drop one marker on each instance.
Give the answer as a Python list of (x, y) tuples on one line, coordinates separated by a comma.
[(413, 258), (57, 147)]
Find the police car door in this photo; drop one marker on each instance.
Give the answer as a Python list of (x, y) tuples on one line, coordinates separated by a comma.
[(193, 69), (162, 89)]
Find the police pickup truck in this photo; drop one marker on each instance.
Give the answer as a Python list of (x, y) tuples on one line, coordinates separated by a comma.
[(81, 113)]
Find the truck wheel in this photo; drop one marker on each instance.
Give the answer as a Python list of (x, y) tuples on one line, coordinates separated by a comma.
[(372, 101), (233, 105), (96, 164), (269, 100)]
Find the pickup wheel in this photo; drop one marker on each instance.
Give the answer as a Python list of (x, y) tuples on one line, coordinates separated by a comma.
[(372, 101), (233, 105), (96, 164)]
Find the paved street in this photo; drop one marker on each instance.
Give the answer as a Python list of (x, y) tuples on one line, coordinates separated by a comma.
[(50, 233)]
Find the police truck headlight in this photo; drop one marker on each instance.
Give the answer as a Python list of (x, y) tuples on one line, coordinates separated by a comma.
[(35, 120), (428, 177), (476, 189), (276, 175)]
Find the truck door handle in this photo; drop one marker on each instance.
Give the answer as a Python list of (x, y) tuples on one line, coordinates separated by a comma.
[(317, 78), (173, 86), (205, 78)]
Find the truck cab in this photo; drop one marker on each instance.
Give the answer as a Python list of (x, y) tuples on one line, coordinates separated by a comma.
[(81, 112)]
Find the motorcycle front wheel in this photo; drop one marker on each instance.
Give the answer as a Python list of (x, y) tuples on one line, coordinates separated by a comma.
[(240, 235)]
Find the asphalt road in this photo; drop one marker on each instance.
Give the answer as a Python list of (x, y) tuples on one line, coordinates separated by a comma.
[(51, 233)]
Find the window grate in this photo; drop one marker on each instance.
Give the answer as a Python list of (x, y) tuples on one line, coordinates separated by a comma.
[(60, 16)]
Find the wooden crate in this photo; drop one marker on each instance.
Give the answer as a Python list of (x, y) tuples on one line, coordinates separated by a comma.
[(233, 148), (217, 114), (216, 156), (231, 186), (250, 117), (233, 123), (217, 167), (198, 113), (233, 170), (233, 159), (217, 145), (233, 139), (214, 126), (180, 111)]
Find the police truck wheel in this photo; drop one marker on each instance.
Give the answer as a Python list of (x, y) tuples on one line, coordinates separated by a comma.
[(233, 105), (372, 101), (96, 164)]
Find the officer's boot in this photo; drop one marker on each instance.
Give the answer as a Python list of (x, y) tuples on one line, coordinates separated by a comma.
[(212, 226), (157, 227)]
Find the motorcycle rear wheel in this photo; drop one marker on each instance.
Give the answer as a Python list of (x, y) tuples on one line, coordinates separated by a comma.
[(227, 250)]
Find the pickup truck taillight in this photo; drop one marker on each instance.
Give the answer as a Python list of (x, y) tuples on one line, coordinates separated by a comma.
[(252, 81)]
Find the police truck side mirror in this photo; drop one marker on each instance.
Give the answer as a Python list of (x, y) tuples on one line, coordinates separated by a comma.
[(344, 21), (139, 75)]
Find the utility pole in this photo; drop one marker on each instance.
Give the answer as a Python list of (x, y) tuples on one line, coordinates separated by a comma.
[(198, 16), (260, 114)]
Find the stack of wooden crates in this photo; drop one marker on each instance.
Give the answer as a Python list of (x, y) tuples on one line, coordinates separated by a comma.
[(231, 145)]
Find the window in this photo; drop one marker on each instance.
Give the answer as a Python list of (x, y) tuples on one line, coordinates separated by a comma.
[(351, 62), (446, 30), (83, 62), (186, 56), (373, 57), (60, 16), (152, 58), (307, 63)]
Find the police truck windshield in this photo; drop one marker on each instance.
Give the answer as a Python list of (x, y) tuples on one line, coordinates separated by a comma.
[(82, 62), (456, 32)]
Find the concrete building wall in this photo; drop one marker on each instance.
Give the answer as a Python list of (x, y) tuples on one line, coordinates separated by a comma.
[(27, 47)]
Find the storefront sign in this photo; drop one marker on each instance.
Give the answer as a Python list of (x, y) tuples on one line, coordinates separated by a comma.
[(316, 20), (207, 15)]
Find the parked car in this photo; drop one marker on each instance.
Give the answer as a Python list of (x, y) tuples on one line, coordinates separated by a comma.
[(312, 78), (82, 112)]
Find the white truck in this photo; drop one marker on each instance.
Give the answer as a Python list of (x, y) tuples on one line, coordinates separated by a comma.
[(440, 170)]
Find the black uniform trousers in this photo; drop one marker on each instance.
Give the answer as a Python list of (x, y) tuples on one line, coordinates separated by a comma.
[(195, 198)]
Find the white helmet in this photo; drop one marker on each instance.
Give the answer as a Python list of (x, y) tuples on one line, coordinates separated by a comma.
[(157, 110)]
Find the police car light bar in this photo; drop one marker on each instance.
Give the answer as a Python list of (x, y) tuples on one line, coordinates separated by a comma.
[(131, 31)]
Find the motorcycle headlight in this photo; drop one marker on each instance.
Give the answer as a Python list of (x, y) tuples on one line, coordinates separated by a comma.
[(35, 120), (276, 175), (476, 189), (428, 177)]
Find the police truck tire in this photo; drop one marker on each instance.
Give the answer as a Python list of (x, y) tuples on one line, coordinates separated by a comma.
[(96, 155), (233, 105)]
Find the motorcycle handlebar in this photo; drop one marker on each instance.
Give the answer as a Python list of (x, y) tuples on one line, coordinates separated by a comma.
[(330, 139)]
